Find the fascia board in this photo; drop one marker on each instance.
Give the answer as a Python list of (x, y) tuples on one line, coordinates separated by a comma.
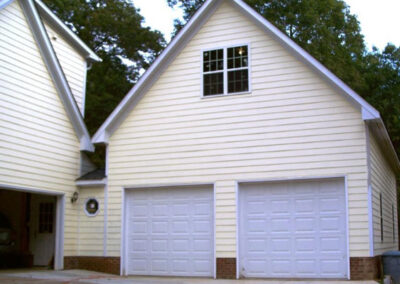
[(91, 183), (5, 3)]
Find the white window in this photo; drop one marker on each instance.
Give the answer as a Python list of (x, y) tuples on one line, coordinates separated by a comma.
[(91, 207), (226, 71)]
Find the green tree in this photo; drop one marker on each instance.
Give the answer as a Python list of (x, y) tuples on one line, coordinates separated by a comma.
[(113, 29), (382, 76)]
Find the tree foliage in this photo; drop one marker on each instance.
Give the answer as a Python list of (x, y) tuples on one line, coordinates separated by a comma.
[(113, 29), (382, 89), (330, 33)]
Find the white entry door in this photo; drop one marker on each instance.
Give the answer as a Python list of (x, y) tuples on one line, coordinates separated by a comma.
[(42, 229), (169, 231), (293, 230)]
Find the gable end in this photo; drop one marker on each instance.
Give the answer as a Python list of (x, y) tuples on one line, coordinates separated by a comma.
[(134, 95), (56, 73)]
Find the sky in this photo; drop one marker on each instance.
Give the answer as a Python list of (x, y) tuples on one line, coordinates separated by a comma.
[(379, 19)]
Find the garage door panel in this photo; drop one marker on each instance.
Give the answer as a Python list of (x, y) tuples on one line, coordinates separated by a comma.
[(293, 229), (170, 231), (306, 267), (281, 267)]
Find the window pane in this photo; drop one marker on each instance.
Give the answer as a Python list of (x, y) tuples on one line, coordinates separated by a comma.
[(213, 60), (238, 81), (206, 56), (213, 66), (46, 217), (220, 65), (213, 54), (220, 54), (206, 67), (213, 84), (237, 57)]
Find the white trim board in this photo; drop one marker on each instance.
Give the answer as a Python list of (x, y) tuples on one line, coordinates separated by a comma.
[(5, 3), (370, 217), (91, 183)]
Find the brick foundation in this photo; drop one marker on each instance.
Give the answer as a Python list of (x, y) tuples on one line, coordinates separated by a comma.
[(226, 268), (361, 268), (365, 268), (95, 263)]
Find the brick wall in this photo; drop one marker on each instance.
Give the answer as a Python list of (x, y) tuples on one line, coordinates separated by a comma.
[(365, 268), (101, 264), (226, 268), (361, 268)]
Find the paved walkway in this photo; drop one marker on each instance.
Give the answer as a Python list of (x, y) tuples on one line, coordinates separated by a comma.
[(89, 277)]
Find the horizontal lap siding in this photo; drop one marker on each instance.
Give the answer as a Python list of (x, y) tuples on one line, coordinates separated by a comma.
[(73, 64), (38, 146), (91, 228), (383, 180), (293, 124)]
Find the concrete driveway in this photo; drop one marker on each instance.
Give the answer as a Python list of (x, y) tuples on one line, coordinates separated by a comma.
[(89, 277)]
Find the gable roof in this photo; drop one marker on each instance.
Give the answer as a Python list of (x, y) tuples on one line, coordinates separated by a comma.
[(190, 29), (55, 71)]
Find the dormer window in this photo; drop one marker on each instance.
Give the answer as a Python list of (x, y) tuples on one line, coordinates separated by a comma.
[(226, 71)]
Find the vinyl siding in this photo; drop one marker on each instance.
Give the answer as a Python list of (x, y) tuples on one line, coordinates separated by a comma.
[(91, 228), (73, 65), (292, 124), (383, 180), (38, 145)]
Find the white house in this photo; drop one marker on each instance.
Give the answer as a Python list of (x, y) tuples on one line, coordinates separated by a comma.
[(237, 154), (43, 69)]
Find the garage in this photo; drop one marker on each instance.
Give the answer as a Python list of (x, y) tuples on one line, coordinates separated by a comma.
[(293, 229), (170, 231)]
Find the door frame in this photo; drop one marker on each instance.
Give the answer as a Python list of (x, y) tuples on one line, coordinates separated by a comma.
[(124, 237), (291, 179), (60, 209)]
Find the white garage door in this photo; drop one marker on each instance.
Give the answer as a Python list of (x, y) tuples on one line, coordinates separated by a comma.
[(169, 231), (293, 230)]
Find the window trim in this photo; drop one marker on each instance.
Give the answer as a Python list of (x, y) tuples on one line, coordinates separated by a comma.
[(225, 70), (87, 212)]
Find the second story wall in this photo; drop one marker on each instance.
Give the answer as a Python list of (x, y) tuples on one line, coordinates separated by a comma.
[(73, 65), (38, 145)]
